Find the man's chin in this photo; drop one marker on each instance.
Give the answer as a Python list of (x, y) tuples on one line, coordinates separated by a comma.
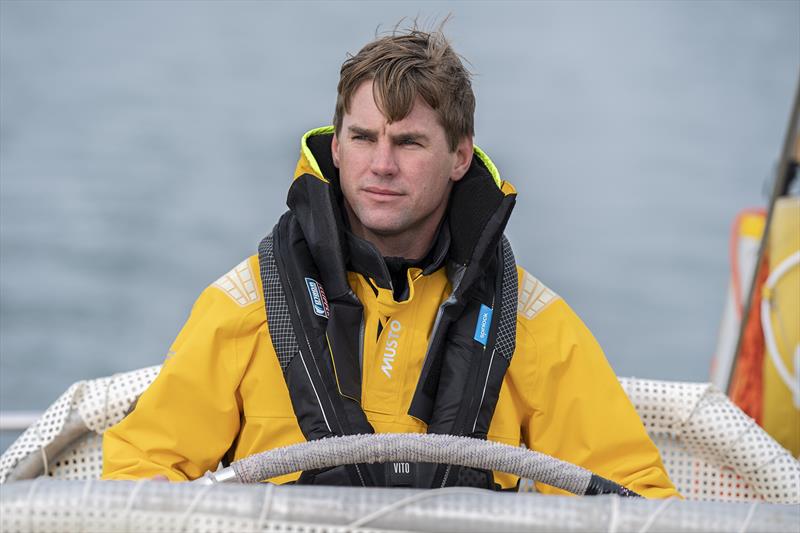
[(386, 226), (386, 230)]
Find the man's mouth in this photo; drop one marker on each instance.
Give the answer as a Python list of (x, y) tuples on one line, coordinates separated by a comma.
[(381, 192)]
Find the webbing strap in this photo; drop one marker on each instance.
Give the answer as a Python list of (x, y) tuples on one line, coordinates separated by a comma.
[(278, 321), (507, 326)]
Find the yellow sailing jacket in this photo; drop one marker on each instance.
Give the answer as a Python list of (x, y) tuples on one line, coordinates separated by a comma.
[(221, 387)]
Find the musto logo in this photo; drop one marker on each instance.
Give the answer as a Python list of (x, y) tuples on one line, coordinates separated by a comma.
[(318, 299), (390, 350)]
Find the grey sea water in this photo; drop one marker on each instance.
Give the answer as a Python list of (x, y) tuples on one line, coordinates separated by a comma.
[(146, 147)]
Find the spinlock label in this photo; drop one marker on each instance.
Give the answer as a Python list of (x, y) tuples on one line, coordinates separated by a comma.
[(483, 324), (318, 299)]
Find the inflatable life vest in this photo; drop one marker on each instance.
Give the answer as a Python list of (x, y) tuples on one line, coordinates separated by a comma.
[(315, 320)]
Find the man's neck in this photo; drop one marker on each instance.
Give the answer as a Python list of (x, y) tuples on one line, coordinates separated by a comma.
[(411, 245)]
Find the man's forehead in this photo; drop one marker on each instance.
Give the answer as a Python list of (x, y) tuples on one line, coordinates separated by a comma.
[(365, 112)]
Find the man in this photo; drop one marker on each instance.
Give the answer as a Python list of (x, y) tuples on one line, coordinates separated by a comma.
[(387, 300)]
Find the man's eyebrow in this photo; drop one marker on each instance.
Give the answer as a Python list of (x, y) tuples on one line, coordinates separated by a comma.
[(409, 136), (356, 130), (395, 137)]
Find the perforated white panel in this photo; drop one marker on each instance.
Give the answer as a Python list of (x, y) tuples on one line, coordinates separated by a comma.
[(104, 402), (711, 449), (98, 404), (81, 460), (697, 479), (36, 437)]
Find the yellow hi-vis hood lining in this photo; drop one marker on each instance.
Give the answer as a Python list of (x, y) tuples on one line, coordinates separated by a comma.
[(309, 162), (489, 165)]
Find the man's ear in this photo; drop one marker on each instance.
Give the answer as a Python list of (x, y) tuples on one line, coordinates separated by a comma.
[(335, 150), (463, 158)]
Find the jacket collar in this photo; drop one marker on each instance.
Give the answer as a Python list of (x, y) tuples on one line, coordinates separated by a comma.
[(470, 224)]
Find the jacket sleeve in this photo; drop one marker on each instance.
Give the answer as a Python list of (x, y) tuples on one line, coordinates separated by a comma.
[(577, 410), (188, 418)]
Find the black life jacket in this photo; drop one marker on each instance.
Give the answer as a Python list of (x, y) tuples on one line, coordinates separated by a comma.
[(316, 322)]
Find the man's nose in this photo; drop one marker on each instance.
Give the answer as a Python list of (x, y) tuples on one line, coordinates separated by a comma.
[(383, 159)]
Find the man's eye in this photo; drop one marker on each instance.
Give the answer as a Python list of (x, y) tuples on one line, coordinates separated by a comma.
[(409, 142), (360, 138)]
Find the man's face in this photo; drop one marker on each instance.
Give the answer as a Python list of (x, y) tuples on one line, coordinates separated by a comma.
[(396, 178)]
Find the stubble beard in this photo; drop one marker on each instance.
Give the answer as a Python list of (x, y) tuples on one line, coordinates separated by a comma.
[(396, 235)]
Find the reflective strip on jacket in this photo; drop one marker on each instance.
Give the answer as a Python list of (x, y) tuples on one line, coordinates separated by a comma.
[(221, 388)]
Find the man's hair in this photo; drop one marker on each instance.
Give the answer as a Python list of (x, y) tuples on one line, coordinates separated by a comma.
[(406, 64)]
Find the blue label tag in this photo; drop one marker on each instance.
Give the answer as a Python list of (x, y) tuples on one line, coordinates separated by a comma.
[(318, 299), (483, 325)]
